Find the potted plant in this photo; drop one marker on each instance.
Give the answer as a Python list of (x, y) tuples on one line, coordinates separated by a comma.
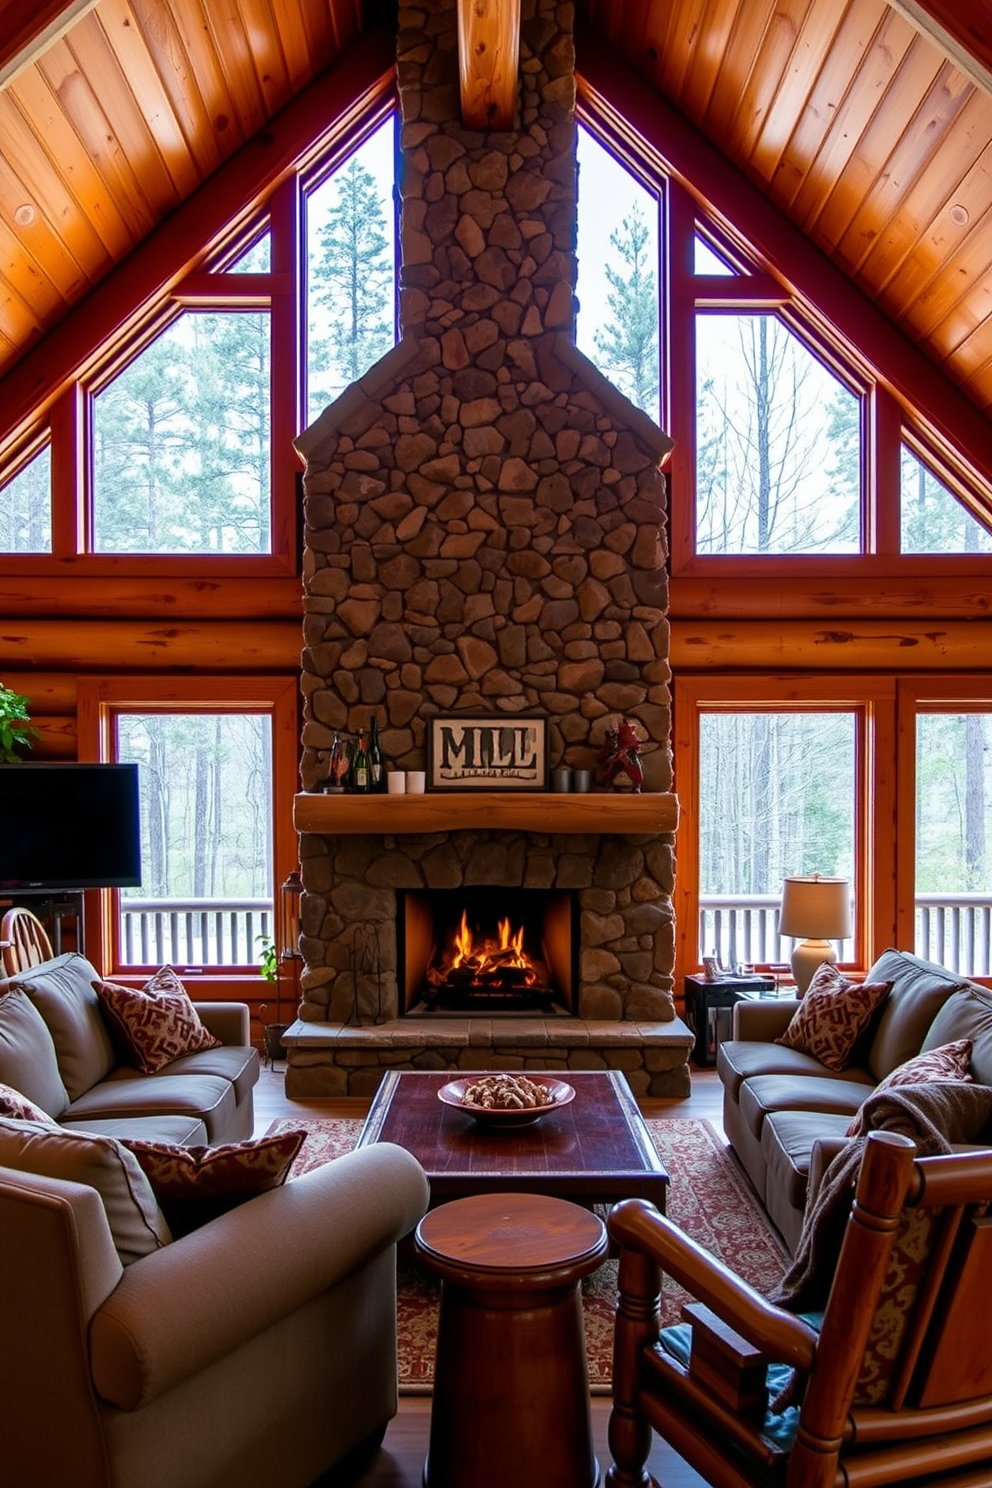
[(15, 728), (268, 965)]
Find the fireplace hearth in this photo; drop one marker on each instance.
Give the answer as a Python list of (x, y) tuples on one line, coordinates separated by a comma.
[(488, 949)]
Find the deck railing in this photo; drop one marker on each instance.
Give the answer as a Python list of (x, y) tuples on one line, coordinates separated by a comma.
[(954, 930), (193, 932)]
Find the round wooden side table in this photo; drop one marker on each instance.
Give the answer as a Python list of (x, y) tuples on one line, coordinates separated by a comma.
[(511, 1385)]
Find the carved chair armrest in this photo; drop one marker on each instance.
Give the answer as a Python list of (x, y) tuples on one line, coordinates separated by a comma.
[(644, 1234)]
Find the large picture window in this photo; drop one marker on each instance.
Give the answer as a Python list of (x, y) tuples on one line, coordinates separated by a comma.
[(216, 762)]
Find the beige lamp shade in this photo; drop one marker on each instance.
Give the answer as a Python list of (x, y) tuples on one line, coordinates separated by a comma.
[(815, 911)]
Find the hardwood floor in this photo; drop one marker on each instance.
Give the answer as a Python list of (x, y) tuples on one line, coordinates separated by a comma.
[(399, 1464)]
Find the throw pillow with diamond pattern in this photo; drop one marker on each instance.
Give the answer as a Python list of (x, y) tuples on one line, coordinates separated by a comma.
[(832, 1016), (195, 1184), (156, 1023)]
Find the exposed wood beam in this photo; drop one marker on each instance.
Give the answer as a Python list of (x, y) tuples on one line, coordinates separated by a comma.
[(963, 33), (719, 188), (488, 62), (338, 97), (27, 28)]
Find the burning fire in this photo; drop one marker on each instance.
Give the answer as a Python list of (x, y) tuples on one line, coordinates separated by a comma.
[(489, 960)]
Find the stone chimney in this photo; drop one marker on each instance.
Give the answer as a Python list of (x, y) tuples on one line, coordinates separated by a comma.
[(485, 531)]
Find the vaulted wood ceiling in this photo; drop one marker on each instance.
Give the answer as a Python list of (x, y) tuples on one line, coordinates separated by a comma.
[(868, 124)]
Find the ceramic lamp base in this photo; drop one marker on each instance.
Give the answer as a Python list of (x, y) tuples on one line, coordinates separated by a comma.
[(808, 956)]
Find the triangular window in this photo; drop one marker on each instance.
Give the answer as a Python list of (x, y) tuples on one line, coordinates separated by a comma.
[(933, 520), (707, 261), (26, 507), (256, 259)]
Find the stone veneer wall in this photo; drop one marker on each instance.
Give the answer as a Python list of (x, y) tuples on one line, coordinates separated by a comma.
[(485, 531)]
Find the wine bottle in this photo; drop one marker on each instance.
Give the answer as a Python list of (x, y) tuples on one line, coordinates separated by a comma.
[(377, 775), (360, 766)]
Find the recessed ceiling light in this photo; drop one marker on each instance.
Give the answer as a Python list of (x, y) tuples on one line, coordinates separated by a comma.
[(959, 215), (25, 215)]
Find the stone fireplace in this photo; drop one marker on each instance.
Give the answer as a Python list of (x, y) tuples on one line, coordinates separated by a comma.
[(484, 532)]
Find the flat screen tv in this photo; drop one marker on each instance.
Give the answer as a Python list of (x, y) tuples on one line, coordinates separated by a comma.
[(69, 827)]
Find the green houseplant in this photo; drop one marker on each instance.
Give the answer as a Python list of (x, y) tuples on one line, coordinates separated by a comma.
[(15, 726), (268, 966)]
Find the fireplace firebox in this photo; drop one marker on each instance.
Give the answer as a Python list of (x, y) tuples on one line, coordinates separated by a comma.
[(489, 950)]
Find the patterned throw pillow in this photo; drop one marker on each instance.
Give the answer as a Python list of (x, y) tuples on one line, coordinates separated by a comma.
[(16, 1107), (194, 1184), (832, 1016), (157, 1023), (948, 1062)]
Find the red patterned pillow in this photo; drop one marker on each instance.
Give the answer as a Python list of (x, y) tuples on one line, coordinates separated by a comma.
[(194, 1184), (157, 1022), (16, 1107), (948, 1062), (832, 1016)]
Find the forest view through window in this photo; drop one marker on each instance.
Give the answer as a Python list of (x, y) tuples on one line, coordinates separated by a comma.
[(953, 839), (776, 797), (206, 832)]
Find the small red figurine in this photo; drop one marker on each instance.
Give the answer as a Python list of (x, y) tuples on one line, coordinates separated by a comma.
[(619, 766)]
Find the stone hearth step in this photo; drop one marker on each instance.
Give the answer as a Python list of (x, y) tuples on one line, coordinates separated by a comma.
[(332, 1059)]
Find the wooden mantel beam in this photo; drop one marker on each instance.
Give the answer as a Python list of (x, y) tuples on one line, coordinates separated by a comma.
[(488, 62)]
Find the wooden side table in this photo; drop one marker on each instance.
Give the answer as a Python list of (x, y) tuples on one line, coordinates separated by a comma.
[(511, 1385)]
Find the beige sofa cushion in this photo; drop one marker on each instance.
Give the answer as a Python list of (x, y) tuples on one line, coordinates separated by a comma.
[(28, 1060), (136, 1222), (62, 991), (919, 990), (966, 1014), (208, 1097)]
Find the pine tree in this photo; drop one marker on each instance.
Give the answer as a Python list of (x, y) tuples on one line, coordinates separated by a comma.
[(628, 344), (353, 274)]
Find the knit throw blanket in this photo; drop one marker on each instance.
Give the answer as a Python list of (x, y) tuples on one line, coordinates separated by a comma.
[(936, 1115)]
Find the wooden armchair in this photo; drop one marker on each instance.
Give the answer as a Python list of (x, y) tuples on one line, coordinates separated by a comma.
[(24, 941), (894, 1385)]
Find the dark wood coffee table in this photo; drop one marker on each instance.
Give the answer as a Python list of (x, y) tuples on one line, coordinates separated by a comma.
[(595, 1150)]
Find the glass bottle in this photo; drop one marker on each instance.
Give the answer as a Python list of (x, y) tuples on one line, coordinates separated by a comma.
[(360, 772), (377, 775)]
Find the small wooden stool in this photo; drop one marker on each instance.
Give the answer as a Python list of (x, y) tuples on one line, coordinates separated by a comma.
[(511, 1385)]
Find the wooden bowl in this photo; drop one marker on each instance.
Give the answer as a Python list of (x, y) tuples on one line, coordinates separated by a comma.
[(453, 1094)]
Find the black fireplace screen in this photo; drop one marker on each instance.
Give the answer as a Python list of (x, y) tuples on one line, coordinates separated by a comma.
[(488, 950)]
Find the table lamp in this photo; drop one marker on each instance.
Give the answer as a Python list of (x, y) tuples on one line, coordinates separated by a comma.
[(815, 911)]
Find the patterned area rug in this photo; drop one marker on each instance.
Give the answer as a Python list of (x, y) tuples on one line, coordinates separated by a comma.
[(708, 1197)]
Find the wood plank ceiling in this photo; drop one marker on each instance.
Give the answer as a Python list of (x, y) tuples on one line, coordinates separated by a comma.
[(869, 125)]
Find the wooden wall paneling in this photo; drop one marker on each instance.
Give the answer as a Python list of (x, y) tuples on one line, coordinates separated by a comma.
[(29, 294), (57, 738), (683, 39), (813, 51), (964, 33), (84, 127), (736, 66), (226, 26), (882, 60), (887, 154), (234, 192), (912, 242), (151, 97), (723, 191), (876, 645), (704, 68), (49, 693), (955, 301), (187, 29), (270, 65), (292, 32), (758, 99), (194, 111), (123, 645), (154, 190), (132, 596), (968, 596), (29, 25)]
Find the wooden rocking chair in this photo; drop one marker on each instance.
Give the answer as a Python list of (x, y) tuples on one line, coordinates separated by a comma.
[(894, 1385), (24, 941)]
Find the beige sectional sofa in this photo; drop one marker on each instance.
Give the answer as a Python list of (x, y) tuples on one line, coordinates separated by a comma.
[(785, 1113), (57, 1050)]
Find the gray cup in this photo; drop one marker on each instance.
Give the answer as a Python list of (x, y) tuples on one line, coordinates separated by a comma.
[(581, 781), (561, 779)]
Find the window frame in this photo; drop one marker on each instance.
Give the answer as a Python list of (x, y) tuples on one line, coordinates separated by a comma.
[(873, 700), (100, 701)]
